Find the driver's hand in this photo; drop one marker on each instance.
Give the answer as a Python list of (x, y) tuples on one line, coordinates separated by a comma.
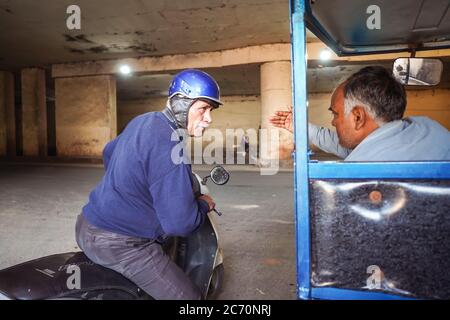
[(208, 199), (283, 119)]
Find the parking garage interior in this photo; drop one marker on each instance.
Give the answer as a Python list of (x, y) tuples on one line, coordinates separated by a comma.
[(62, 98)]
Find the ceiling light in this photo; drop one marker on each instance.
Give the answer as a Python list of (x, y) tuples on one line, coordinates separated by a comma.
[(325, 55), (125, 69)]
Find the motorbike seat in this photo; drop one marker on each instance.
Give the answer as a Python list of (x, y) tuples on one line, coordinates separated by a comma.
[(66, 276)]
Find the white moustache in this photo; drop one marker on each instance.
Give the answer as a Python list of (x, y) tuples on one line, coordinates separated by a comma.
[(202, 125)]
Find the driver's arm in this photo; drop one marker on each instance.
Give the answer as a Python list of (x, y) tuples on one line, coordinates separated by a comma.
[(326, 140)]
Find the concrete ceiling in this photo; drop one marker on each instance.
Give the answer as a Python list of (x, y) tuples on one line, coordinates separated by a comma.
[(233, 80), (236, 80), (34, 33), (245, 80)]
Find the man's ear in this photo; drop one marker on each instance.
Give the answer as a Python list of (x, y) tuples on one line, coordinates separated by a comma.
[(359, 117)]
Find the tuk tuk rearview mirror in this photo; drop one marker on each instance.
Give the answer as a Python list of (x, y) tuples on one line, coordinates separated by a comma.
[(418, 71)]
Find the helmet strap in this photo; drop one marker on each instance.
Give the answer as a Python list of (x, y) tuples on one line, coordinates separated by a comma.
[(179, 107)]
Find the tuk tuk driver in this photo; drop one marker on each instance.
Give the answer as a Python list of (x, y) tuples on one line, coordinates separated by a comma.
[(367, 111)]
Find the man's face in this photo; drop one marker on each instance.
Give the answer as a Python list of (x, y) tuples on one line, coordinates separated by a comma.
[(345, 126), (199, 118)]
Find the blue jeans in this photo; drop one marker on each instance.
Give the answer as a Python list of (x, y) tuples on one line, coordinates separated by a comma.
[(141, 260)]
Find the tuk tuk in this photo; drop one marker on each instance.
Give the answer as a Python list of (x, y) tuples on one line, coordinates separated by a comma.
[(369, 230)]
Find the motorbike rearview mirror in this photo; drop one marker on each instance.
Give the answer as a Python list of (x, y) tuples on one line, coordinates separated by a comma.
[(218, 175)]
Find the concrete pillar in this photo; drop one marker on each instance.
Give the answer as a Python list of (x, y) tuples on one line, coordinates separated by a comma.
[(7, 115), (34, 112), (86, 116), (276, 94)]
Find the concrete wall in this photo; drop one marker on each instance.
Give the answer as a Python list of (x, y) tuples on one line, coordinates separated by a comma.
[(3, 139), (127, 110), (86, 116), (237, 112), (7, 115), (318, 104), (434, 103), (34, 112)]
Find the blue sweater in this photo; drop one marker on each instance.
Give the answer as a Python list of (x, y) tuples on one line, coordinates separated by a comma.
[(143, 193)]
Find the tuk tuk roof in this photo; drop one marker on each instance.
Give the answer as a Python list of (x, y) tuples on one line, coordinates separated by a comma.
[(405, 25)]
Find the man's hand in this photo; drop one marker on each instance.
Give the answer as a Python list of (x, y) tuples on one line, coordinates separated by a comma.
[(210, 201), (283, 119)]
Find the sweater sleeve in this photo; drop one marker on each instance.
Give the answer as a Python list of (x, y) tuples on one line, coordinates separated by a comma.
[(173, 200), (326, 140)]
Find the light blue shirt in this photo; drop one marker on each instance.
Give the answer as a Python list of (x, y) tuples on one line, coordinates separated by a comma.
[(409, 139)]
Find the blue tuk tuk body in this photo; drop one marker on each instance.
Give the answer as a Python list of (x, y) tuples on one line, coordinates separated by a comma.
[(349, 246)]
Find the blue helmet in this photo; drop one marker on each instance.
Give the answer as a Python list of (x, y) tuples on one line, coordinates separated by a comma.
[(195, 84)]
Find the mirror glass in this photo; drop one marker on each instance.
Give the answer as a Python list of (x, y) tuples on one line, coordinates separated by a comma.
[(418, 71), (219, 175)]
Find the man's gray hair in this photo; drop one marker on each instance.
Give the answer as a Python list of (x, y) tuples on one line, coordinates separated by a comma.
[(351, 101), (378, 92)]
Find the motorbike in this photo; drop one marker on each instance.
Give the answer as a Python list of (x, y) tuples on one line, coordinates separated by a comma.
[(72, 276)]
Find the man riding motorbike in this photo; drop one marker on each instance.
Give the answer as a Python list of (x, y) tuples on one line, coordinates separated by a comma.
[(146, 196)]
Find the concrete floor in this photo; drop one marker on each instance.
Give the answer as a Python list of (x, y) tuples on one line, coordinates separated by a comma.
[(39, 204)]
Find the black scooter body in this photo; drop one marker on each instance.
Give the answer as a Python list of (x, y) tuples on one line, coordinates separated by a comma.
[(49, 277)]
